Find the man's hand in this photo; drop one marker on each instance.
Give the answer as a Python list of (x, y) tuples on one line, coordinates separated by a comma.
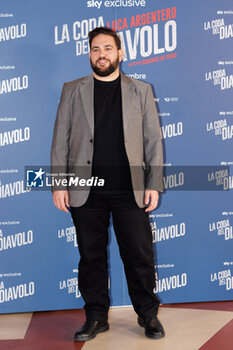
[(61, 200), (151, 197)]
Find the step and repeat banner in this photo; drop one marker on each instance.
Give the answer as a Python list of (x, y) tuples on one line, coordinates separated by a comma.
[(184, 50)]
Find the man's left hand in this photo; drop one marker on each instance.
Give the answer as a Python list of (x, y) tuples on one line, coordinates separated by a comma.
[(151, 198)]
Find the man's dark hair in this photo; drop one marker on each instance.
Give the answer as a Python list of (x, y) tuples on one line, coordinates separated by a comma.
[(107, 31)]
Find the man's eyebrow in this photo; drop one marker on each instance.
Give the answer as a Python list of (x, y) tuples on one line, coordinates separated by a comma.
[(96, 46)]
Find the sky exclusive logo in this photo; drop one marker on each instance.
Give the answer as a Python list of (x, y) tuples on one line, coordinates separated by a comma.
[(94, 3), (116, 3)]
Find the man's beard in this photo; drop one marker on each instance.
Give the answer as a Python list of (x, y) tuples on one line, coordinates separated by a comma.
[(104, 72)]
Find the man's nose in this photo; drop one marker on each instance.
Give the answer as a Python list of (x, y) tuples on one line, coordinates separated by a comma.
[(102, 53)]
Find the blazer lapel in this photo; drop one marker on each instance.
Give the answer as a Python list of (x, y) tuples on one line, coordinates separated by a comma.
[(87, 96), (127, 93)]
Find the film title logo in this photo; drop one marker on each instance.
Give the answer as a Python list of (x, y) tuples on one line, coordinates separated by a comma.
[(71, 285), (221, 178), (221, 127), (13, 84), (13, 32), (173, 180), (172, 130), (223, 228), (12, 189), (219, 77), (15, 240), (223, 278), (69, 233), (14, 136), (151, 33), (218, 27), (167, 232), (171, 282), (16, 292)]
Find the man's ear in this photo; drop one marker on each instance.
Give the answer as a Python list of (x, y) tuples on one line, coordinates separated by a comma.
[(121, 55)]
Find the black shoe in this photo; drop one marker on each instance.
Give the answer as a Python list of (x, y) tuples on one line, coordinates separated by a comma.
[(153, 328), (90, 329)]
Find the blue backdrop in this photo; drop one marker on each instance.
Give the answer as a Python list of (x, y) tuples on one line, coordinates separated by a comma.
[(184, 49)]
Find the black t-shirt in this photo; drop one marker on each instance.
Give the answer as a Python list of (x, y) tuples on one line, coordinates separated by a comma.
[(109, 160)]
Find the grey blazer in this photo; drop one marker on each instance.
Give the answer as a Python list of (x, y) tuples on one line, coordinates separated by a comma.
[(72, 144)]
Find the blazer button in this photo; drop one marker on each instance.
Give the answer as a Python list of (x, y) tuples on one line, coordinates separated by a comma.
[(91, 140), (88, 162)]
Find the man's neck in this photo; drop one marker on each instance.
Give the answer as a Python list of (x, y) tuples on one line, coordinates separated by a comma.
[(109, 77)]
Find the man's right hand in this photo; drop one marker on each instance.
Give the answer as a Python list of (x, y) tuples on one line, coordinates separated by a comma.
[(61, 200)]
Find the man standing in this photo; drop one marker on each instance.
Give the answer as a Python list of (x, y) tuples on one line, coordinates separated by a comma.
[(107, 122)]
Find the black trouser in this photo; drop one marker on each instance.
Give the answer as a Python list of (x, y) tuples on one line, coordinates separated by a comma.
[(134, 237)]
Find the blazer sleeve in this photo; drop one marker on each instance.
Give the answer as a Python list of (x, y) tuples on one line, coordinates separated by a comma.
[(153, 151), (61, 136)]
